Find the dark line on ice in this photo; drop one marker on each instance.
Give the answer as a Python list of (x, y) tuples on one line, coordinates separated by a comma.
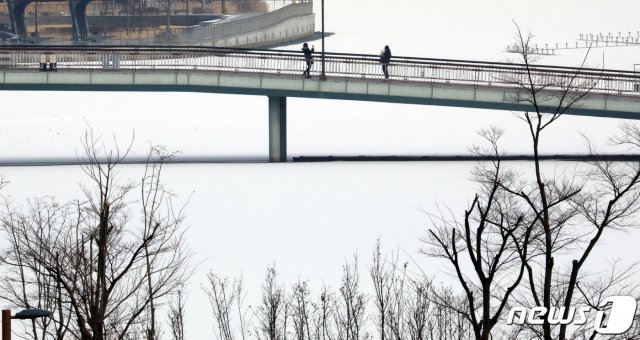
[(35, 162), (475, 158)]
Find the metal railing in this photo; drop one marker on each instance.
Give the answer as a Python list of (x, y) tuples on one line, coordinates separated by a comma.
[(338, 65)]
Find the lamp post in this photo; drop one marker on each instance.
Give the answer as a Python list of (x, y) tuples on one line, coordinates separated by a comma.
[(37, 20), (27, 314), (323, 76)]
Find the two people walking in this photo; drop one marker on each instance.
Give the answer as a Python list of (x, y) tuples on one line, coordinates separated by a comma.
[(385, 59)]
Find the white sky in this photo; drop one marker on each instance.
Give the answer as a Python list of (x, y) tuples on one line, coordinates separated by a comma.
[(309, 217)]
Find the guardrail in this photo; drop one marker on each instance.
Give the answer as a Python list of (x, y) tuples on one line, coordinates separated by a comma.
[(341, 65)]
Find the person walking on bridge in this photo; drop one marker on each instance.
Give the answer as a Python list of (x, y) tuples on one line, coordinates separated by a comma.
[(385, 59), (308, 58)]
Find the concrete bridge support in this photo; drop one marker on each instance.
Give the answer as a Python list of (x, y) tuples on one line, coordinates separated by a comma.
[(16, 16), (277, 129), (78, 10)]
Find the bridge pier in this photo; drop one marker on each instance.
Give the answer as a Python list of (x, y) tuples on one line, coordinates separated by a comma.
[(16, 16), (277, 129), (78, 10)]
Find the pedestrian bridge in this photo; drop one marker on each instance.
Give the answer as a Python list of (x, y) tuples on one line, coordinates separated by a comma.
[(278, 75)]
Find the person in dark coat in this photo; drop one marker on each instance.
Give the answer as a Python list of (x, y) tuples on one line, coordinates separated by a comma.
[(385, 59), (308, 58)]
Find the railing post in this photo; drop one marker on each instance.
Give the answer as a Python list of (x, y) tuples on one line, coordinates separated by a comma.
[(323, 75), (277, 129), (6, 324)]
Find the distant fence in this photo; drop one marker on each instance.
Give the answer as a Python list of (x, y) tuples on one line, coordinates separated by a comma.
[(419, 70)]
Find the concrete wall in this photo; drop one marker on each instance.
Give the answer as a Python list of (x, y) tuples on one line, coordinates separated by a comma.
[(120, 21), (279, 85), (287, 23), (294, 28)]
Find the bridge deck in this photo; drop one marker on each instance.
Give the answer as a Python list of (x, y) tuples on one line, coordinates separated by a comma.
[(355, 77)]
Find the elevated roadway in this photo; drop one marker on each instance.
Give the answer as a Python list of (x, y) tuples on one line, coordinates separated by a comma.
[(278, 75)]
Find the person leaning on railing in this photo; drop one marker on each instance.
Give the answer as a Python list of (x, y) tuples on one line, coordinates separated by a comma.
[(385, 59), (308, 58)]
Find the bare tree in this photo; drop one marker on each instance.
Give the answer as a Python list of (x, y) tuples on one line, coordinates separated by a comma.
[(382, 278), (593, 288), (106, 270), (227, 297), (166, 6), (445, 322), (523, 229), (350, 307), (243, 320), (272, 313), (142, 6), (398, 309), (492, 240), (164, 254), (417, 311), (25, 282), (326, 313), (302, 310), (222, 296), (176, 315), (571, 211)]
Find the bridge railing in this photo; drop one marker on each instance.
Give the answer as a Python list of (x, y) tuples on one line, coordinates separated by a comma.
[(337, 65)]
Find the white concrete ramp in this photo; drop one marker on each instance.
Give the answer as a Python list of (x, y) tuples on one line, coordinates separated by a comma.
[(395, 91)]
